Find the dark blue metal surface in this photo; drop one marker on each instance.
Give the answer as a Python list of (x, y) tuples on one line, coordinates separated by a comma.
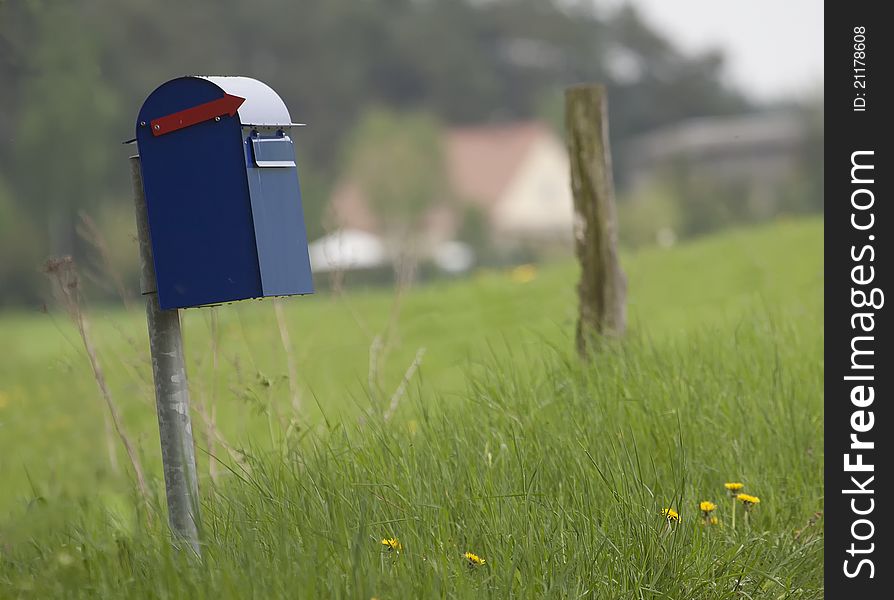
[(278, 217), (199, 221), (201, 207)]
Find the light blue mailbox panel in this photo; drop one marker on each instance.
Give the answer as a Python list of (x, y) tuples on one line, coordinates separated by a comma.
[(222, 192), (273, 186)]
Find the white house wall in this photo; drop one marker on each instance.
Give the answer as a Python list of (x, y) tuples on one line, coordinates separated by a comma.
[(537, 204)]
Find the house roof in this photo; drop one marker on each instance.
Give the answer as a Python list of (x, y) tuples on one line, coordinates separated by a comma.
[(482, 160)]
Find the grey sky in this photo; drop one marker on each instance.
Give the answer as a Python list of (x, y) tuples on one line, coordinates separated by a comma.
[(774, 48)]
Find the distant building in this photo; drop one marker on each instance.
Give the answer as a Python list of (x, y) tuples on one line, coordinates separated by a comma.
[(517, 175), (758, 149)]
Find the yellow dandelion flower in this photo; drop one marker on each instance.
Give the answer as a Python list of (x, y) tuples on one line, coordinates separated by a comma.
[(707, 506), (714, 520), (670, 514), (734, 488), (474, 559), (524, 273), (748, 500), (392, 544)]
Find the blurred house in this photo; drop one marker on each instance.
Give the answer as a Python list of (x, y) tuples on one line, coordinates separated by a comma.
[(760, 150), (515, 175)]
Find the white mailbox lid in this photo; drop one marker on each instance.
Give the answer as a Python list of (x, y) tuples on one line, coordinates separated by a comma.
[(262, 105)]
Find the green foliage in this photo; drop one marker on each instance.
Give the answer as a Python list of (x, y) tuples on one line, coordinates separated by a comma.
[(709, 204), (651, 214), (504, 445), (804, 193), (314, 192), (664, 86), (398, 161), (62, 154), (475, 231), (110, 263), (688, 199), (19, 253)]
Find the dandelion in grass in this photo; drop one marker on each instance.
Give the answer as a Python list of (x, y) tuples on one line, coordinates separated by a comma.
[(670, 514), (707, 507), (748, 502), (714, 521), (392, 544), (474, 560), (671, 517), (734, 488)]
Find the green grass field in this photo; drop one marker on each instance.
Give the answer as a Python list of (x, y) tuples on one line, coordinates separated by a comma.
[(554, 472)]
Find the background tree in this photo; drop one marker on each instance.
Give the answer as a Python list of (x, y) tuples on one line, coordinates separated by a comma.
[(398, 161), (62, 156)]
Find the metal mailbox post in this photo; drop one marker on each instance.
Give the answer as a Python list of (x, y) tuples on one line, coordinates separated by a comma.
[(219, 219)]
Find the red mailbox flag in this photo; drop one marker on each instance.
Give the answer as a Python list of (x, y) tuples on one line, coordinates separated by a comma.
[(227, 105)]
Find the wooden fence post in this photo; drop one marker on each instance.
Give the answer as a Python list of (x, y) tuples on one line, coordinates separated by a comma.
[(602, 290)]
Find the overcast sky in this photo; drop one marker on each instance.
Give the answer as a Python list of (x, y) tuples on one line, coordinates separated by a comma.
[(774, 48)]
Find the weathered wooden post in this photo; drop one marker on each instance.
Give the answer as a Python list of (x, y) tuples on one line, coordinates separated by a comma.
[(602, 290)]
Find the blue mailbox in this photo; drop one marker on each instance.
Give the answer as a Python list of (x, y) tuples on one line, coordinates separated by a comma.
[(222, 194)]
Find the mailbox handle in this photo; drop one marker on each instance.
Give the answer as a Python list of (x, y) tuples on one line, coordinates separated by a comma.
[(273, 151)]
